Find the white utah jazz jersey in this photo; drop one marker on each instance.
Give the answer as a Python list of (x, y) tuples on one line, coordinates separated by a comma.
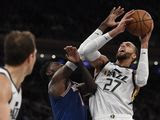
[(114, 91), (16, 98)]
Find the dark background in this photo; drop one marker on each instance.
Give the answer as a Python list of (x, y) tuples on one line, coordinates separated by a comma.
[(57, 23)]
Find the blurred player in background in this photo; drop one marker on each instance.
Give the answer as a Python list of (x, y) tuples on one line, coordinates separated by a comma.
[(65, 95), (116, 81), (19, 59)]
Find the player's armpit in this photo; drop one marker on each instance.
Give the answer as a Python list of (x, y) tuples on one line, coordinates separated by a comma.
[(101, 61), (5, 96)]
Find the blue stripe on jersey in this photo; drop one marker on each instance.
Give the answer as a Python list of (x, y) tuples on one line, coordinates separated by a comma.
[(69, 107)]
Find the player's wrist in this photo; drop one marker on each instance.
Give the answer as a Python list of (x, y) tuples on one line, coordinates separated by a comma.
[(144, 45), (113, 33), (71, 65), (79, 63), (103, 27)]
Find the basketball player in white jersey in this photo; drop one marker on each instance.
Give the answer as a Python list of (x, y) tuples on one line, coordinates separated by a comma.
[(116, 82), (19, 59)]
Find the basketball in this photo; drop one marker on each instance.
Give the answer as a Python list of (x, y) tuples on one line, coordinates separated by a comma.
[(141, 24)]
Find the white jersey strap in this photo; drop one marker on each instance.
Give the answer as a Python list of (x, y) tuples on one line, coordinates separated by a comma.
[(100, 69), (10, 79)]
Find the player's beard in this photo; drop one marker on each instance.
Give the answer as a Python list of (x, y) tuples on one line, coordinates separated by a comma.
[(123, 56)]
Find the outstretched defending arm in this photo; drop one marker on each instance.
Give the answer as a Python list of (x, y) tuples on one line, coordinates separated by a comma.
[(143, 66), (59, 81), (73, 55)]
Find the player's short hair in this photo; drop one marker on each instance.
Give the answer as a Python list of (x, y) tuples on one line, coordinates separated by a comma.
[(18, 46), (45, 69)]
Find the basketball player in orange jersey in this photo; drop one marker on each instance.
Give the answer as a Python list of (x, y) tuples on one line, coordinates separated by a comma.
[(19, 58), (116, 82)]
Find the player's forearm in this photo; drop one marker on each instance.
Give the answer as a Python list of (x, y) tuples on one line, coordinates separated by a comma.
[(58, 82), (100, 41), (93, 36), (143, 68), (96, 44), (116, 31), (87, 78)]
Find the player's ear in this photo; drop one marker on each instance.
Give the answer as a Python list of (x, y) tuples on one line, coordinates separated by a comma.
[(134, 56), (30, 58)]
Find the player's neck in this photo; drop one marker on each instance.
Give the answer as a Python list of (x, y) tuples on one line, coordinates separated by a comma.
[(17, 73), (123, 63)]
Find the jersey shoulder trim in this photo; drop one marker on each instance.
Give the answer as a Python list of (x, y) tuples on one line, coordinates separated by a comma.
[(8, 75), (67, 90), (101, 68)]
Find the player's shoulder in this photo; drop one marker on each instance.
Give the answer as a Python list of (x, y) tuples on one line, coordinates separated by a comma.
[(4, 77), (112, 65), (5, 86), (4, 82)]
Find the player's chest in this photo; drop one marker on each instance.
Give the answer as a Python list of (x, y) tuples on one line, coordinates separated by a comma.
[(114, 78), (16, 99)]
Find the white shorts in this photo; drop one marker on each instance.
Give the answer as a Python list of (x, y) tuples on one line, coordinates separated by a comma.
[(113, 117)]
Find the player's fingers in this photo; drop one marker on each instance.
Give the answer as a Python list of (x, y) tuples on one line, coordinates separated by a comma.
[(113, 9), (121, 12), (117, 9), (129, 20), (117, 23), (74, 51), (67, 56), (70, 49), (128, 14), (67, 47)]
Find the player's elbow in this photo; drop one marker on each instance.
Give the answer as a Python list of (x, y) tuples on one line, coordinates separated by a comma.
[(87, 50), (142, 81), (81, 53)]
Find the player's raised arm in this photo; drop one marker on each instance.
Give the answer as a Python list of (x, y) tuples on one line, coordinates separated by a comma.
[(60, 79), (143, 66), (5, 96), (108, 22), (74, 57), (99, 42)]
